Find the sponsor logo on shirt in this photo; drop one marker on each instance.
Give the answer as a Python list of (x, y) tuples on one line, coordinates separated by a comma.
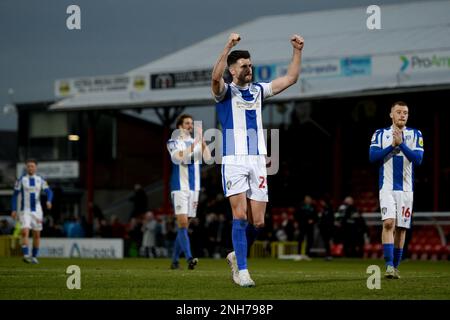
[(421, 141), (248, 105)]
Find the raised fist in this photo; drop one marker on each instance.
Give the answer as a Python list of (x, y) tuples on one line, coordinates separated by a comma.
[(233, 39), (297, 41)]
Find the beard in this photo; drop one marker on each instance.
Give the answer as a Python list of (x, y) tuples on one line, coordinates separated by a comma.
[(247, 78)]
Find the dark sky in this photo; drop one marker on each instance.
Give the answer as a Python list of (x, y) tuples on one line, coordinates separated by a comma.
[(116, 36)]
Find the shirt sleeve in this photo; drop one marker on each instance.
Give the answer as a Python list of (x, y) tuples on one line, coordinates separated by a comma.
[(18, 185), (47, 190), (267, 89), (173, 147), (418, 141), (220, 97), (14, 198), (376, 139), (376, 151)]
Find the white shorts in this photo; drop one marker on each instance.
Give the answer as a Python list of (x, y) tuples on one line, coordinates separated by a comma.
[(31, 220), (245, 174), (397, 205), (185, 202)]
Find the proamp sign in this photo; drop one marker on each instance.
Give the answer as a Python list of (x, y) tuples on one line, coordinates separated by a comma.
[(81, 248), (425, 62)]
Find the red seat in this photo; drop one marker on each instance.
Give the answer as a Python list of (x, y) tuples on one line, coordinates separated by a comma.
[(276, 219), (368, 250), (436, 251), (377, 251), (337, 250), (434, 240), (445, 252), (416, 250)]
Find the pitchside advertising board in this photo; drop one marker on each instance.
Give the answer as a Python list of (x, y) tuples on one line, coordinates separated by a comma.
[(390, 65), (81, 248)]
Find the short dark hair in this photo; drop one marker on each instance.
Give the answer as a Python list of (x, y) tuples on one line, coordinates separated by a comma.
[(181, 118), (31, 160), (236, 55), (399, 103)]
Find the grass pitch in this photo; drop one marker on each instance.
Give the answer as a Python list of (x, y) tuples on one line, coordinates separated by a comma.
[(211, 280)]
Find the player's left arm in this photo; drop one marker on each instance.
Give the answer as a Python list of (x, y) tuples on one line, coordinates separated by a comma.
[(201, 149), (48, 192), (293, 72), (414, 155)]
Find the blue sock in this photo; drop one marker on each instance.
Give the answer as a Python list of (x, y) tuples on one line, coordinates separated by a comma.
[(35, 252), (176, 249), (251, 233), (388, 249), (184, 243), (25, 250), (238, 235), (398, 252)]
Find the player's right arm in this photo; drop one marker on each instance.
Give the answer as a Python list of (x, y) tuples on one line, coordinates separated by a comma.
[(376, 151), (175, 151), (217, 83), (17, 188)]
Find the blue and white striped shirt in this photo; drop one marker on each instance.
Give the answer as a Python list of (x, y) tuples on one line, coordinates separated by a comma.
[(185, 174), (396, 164), (27, 192), (239, 110)]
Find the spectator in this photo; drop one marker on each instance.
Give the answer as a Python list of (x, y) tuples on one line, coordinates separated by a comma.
[(353, 228), (104, 229), (326, 225), (51, 229), (134, 235), (5, 227), (279, 234), (140, 201), (97, 212), (171, 235), (287, 226), (306, 216), (73, 228), (118, 229), (160, 235), (148, 248)]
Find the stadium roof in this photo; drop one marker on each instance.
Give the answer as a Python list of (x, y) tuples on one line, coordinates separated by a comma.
[(341, 57)]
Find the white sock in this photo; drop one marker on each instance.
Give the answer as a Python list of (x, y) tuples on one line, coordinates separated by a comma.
[(243, 272)]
